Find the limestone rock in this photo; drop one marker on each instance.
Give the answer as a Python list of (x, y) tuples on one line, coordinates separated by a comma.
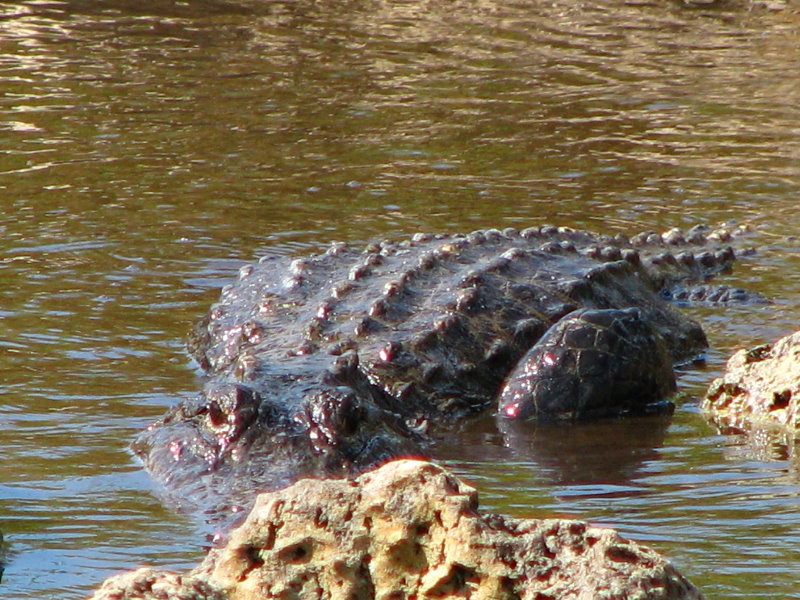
[(149, 584), (412, 530), (761, 386)]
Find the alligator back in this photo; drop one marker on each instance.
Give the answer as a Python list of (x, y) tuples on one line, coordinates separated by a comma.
[(437, 321)]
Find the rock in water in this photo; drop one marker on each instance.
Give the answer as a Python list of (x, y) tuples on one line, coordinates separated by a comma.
[(408, 530), (761, 386)]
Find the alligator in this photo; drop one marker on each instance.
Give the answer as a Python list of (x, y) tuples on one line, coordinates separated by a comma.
[(330, 365)]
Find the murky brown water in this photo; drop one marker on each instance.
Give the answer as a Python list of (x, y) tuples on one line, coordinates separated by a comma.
[(147, 148)]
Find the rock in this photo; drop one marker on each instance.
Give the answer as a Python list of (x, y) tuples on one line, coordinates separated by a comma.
[(761, 387), (408, 530), (150, 584)]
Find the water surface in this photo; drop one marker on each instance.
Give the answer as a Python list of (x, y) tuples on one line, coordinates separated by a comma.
[(148, 148)]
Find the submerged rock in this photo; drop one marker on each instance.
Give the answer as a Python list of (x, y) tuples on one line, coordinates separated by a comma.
[(761, 386), (408, 530)]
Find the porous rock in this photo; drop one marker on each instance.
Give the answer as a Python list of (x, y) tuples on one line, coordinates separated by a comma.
[(152, 584), (409, 529), (761, 386)]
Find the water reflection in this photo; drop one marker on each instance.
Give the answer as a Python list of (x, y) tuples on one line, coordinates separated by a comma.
[(609, 451), (760, 443), (595, 101), (610, 454)]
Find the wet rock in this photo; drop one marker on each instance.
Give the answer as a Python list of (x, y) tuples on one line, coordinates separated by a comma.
[(408, 530), (761, 386), (151, 584)]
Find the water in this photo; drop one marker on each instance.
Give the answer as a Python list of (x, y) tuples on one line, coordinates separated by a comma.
[(148, 148)]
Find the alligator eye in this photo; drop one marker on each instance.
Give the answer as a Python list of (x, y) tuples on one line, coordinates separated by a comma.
[(389, 352), (216, 416), (511, 410), (176, 449)]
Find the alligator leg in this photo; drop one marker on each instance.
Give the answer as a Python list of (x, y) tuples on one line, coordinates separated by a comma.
[(591, 363)]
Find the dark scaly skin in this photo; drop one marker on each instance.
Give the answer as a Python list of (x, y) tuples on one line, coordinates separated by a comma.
[(332, 364), (592, 363)]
